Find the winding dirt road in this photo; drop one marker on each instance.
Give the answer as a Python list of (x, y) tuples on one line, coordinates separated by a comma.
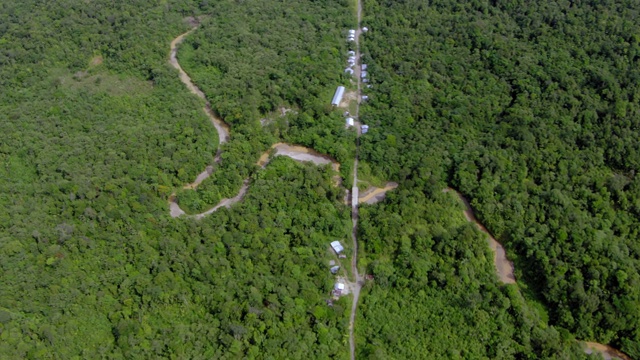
[(504, 267), (298, 153), (221, 126)]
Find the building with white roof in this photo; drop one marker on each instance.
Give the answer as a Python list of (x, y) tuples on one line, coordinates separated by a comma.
[(337, 97), (350, 121), (337, 247)]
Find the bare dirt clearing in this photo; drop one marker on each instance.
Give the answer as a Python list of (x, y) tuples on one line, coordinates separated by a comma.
[(375, 194), (607, 352), (348, 97)]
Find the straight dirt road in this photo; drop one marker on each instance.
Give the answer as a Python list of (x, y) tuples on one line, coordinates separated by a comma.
[(359, 280)]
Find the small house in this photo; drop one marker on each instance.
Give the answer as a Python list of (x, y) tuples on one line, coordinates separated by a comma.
[(351, 53), (348, 71), (365, 98), (334, 269), (350, 121), (338, 288), (337, 247), (364, 67), (365, 29), (365, 129), (363, 74)]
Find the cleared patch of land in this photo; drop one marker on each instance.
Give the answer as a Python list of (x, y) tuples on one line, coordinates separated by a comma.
[(375, 194)]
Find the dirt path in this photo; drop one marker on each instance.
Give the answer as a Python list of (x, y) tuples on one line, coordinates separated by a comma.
[(376, 194), (221, 126), (295, 152), (359, 280), (298, 153), (504, 267)]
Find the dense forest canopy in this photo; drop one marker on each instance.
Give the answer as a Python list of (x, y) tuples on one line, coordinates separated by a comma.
[(528, 108), (531, 109), (98, 130)]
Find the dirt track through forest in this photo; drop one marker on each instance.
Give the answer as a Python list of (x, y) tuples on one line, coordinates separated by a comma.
[(298, 153), (503, 266), (359, 279), (504, 269)]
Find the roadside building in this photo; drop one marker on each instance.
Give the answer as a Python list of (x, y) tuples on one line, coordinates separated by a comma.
[(337, 247), (350, 121), (365, 129), (337, 97)]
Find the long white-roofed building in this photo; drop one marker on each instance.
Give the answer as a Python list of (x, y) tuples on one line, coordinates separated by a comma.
[(337, 97)]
